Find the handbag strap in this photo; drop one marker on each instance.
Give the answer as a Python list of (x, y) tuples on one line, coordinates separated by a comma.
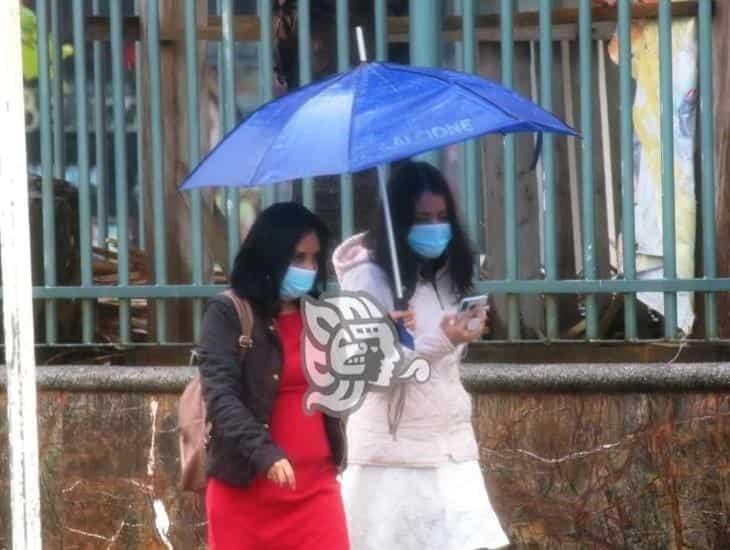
[(245, 317)]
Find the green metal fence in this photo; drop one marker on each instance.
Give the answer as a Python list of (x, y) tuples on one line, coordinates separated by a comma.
[(428, 26)]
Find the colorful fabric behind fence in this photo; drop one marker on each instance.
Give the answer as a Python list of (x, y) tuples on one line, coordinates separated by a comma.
[(647, 157)]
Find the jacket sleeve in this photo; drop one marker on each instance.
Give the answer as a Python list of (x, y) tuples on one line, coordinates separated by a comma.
[(220, 364), (431, 346)]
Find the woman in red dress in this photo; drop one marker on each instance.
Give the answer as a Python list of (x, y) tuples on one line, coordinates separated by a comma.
[(272, 467)]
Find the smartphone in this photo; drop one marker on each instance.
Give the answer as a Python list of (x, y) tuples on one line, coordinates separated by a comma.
[(471, 302)]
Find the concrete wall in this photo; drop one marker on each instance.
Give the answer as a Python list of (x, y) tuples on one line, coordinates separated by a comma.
[(108, 452), (576, 456), (607, 456)]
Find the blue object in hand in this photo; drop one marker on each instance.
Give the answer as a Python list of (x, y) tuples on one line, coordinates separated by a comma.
[(404, 336)]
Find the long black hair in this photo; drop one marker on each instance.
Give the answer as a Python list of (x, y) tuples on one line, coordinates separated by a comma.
[(406, 185), (268, 250)]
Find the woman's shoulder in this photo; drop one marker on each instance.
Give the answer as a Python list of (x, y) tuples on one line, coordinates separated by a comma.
[(220, 309), (220, 302), (366, 274), (369, 268), (370, 278)]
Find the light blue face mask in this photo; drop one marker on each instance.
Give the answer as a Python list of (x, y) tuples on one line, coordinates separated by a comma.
[(429, 240), (297, 282)]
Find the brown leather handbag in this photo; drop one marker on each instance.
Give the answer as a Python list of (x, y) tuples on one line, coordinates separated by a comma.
[(193, 426)]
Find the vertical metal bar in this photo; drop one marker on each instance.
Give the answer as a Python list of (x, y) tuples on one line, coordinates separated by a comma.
[(47, 197), (158, 181), (585, 39), (381, 53), (343, 63), (229, 121), (102, 169), (669, 241), (305, 77), (548, 167), (141, 237), (605, 128), (510, 176), (381, 48), (425, 32), (707, 151), (424, 24), (120, 165), (627, 164), (539, 180), (193, 97), (567, 71), (59, 129), (266, 69), (82, 147), (459, 8), (221, 194), (381, 30), (471, 148), (221, 103)]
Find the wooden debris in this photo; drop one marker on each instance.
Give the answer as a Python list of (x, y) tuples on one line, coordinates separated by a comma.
[(106, 273)]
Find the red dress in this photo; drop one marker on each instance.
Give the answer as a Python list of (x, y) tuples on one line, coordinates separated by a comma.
[(265, 516)]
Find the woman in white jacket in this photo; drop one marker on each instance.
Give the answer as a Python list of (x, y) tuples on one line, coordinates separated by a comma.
[(413, 479)]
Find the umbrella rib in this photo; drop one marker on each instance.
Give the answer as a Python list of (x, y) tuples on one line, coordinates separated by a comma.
[(227, 135), (470, 91), (499, 107), (283, 126), (535, 127), (383, 76)]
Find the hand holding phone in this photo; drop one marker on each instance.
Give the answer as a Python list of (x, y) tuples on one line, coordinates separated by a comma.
[(474, 306), (471, 303)]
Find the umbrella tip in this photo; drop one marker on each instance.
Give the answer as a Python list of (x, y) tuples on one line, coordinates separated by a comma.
[(361, 44)]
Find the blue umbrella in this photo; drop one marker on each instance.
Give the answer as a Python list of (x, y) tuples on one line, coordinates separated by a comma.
[(372, 115), (364, 118)]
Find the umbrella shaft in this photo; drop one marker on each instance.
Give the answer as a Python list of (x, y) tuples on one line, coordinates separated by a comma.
[(391, 236)]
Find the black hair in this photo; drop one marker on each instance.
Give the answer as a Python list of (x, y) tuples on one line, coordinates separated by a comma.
[(268, 250), (406, 185)]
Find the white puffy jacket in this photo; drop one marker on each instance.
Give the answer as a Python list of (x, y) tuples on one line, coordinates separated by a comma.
[(435, 426)]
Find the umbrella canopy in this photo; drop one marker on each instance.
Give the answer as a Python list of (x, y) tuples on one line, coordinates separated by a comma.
[(367, 117), (372, 115)]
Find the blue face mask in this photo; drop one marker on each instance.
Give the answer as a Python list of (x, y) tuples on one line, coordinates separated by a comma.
[(429, 240), (297, 282)]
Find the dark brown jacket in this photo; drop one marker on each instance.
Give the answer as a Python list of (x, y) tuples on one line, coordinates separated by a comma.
[(239, 389)]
